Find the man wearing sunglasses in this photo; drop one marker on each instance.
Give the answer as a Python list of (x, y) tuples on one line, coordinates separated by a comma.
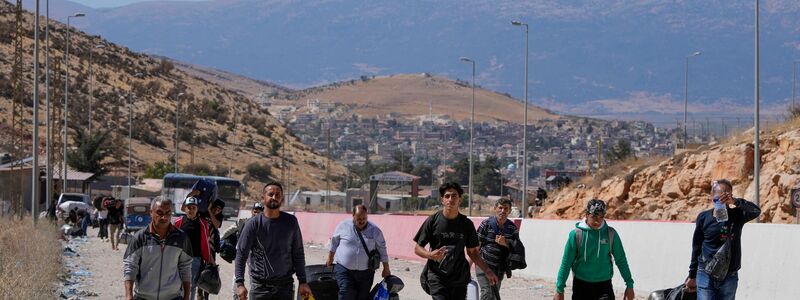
[(158, 260)]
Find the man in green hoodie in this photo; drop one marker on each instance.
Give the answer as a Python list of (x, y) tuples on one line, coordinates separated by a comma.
[(588, 253)]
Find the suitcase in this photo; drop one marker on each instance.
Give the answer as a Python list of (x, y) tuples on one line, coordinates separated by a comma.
[(676, 293), (322, 282)]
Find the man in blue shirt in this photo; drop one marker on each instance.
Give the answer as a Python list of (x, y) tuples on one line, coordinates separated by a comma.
[(353, 275)]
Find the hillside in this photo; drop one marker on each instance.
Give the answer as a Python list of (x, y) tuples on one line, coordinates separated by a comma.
[(412, 95), (224, 126), (678, 188)]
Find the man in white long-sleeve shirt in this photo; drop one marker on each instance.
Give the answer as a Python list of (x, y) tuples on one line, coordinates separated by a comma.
[(353, 275)]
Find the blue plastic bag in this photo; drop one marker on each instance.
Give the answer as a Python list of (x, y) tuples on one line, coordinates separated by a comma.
[(383, 292)]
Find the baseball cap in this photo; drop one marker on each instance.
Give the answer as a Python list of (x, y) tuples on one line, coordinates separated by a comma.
[(596, 207), (190, 201)]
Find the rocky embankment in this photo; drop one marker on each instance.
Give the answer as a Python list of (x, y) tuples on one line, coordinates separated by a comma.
[(677, 188)]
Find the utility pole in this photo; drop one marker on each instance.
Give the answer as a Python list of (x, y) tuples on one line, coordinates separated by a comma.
[(35, 169)]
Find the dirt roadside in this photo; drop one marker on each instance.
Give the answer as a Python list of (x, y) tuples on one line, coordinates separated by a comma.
[(96, 273)]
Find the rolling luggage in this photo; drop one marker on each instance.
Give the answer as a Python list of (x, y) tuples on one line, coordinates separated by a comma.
[(322, 282), (676, 293)]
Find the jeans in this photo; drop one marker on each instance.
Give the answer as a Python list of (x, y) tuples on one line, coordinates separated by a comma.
[(710, 289), (486, 289), (353, 284), (103, 233), (197, 262)]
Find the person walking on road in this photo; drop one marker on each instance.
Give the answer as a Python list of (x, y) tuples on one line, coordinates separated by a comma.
[(115, 222), (709, 237), (158, 263), (589, 251), (102, 219), (448, 232), (272, 247), (354, 274), (497, 236)]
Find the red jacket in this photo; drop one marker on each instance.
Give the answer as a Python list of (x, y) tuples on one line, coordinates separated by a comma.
[(205, 246)]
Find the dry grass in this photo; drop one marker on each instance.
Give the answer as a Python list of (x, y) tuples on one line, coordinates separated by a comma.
[(30, 259)]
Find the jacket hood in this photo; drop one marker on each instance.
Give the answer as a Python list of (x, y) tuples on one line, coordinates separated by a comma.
[(585, 226)]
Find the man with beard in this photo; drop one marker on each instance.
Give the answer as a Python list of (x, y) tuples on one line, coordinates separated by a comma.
[(274, 246), (158, 261)]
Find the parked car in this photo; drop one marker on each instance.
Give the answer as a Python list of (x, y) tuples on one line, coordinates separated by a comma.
[(80, 202)]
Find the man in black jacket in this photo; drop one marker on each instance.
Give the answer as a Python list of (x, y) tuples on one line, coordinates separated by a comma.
[(274, 246), (497, 235), (709, 236)]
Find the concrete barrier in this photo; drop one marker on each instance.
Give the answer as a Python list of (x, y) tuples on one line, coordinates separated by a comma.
[(398, 230), (659, 252)]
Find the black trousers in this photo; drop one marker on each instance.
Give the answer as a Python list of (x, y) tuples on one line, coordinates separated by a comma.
[(584, 290), (441, 289), (268, 291)]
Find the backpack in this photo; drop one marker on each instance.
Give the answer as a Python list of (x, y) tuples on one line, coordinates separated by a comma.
[(579, 239), (516, 253)]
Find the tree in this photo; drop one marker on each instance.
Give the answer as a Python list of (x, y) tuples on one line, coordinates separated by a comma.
[(425, 172), (158, 170), (275, 146), (621, 150), (90, 151), (487, 177), (259, 171), (402, 162)]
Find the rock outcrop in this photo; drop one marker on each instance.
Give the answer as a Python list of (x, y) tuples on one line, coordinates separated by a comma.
[(678, 188)]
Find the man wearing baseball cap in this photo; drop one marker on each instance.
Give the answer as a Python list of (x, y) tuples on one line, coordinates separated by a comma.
[(588, 253)]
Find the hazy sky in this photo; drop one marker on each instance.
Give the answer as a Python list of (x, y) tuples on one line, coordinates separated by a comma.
[(115, 3)]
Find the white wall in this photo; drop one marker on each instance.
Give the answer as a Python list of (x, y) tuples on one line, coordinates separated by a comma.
[(658, 254)]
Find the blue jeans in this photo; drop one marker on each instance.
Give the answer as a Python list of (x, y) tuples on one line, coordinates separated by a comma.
[(353, 284), (710, 289), (197, 262)]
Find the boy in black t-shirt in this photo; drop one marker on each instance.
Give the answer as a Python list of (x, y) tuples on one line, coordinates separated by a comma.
[(448, 232)]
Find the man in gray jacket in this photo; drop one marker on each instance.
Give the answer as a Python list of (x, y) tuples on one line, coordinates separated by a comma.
[(272, 247), (158, 263)]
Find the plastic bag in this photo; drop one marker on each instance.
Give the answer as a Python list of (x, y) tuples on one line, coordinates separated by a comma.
[(383, 292)]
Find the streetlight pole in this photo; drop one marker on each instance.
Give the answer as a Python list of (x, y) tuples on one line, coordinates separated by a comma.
[(66, 100), (35, 170), (48, 133), (794, 81), (130, 138), (471, 132), (757, 96), (91, 83), (686, 94), (177, 137), (525, 127)]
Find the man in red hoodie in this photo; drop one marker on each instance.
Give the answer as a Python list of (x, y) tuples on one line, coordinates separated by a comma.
[(196, 229)]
